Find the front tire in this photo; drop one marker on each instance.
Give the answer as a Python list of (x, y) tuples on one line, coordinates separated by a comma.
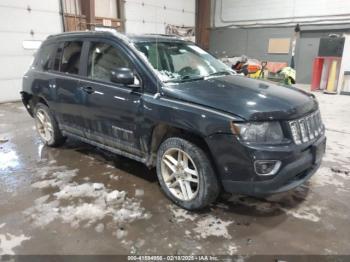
[(186, 175), (47, 126)]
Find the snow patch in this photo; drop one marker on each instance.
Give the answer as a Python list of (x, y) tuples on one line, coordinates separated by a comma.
[(41, 200), (311, 213), (56, 179), (213, 226), (139, 192), (8, 242), (45, 184), (114, 177), (99, 228), (325, 177), (74, 190), (181, 215), (2, 225), (52, 162), (43, 214), (87, 212), (232, 249), (77, 204), (121, 233)]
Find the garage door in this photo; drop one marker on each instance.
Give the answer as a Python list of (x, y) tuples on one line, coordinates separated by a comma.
[(22, 24)]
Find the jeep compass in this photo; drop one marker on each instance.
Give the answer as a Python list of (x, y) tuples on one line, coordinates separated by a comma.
[(169, 104)]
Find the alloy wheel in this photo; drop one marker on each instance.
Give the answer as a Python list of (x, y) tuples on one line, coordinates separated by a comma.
[(43, 125), (180, 174)]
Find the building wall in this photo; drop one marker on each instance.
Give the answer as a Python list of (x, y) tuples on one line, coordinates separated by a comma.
[(251, 42), (16, 25), (240, 27), (31, 20), (151, 16), (257, 12)]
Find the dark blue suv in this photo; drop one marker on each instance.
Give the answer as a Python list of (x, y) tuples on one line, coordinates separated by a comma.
[(171, 105)]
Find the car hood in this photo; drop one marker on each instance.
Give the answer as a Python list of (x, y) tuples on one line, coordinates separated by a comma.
[(247, 98)]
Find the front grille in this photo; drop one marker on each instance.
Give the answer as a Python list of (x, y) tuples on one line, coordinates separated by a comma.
[(306, 128)]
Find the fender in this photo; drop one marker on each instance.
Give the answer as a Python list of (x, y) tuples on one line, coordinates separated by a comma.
[(194, 118)]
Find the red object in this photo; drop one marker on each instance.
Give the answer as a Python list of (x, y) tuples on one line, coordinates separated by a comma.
[(318, 65), (317, 73), (252, 68)]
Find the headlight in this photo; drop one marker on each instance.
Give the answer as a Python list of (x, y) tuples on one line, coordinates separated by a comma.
[(258, 132)]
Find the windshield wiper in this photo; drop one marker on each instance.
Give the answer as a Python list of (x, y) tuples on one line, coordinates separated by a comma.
[(186, 78), (190, 78), (220, 73)]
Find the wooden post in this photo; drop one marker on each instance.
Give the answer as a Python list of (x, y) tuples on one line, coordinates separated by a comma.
[(203, 23), (121, 14), (88, 9)]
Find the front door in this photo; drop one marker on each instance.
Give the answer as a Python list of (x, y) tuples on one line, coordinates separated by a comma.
[(112, 112)]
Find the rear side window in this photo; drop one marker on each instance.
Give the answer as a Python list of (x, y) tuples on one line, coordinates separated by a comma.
[(70, 58), (103, 58), (45, 57)]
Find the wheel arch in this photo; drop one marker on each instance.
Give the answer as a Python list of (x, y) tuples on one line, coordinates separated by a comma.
[(30, 101), (163, 131)]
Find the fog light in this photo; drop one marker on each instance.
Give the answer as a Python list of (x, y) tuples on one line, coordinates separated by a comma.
[(267, 167)]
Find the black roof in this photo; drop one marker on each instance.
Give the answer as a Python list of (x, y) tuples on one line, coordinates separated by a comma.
[(131, 37)]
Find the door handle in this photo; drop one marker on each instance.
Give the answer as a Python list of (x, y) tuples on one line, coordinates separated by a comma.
[(88, 89)]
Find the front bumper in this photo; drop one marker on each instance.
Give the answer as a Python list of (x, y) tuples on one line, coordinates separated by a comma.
[(237, 173)]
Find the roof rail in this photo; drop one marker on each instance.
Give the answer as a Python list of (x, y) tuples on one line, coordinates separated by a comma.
[(113, 32), (164, 35)]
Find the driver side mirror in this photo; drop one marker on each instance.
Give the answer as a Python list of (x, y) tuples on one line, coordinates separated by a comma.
[(123, 75)]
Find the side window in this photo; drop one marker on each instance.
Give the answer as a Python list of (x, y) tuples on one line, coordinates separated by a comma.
[(45, 57), (103, 58), (70, 58)]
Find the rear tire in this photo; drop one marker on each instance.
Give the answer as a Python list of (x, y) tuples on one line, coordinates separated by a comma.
[(186, 175), (47, 126)]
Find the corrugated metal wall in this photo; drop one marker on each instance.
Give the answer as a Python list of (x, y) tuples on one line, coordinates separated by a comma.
[(22, 20), (151, 16)]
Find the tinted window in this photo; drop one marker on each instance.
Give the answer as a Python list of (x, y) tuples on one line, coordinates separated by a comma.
[(45, 57), (103, 58), (71, 57)]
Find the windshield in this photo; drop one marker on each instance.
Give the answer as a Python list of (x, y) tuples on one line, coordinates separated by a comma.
[(179, 61)]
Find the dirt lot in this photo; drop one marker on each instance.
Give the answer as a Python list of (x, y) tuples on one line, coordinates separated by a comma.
[(80, 200)]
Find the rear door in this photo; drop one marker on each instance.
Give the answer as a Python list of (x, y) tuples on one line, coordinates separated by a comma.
[(69, 97), (40, 77), (112, 112)]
